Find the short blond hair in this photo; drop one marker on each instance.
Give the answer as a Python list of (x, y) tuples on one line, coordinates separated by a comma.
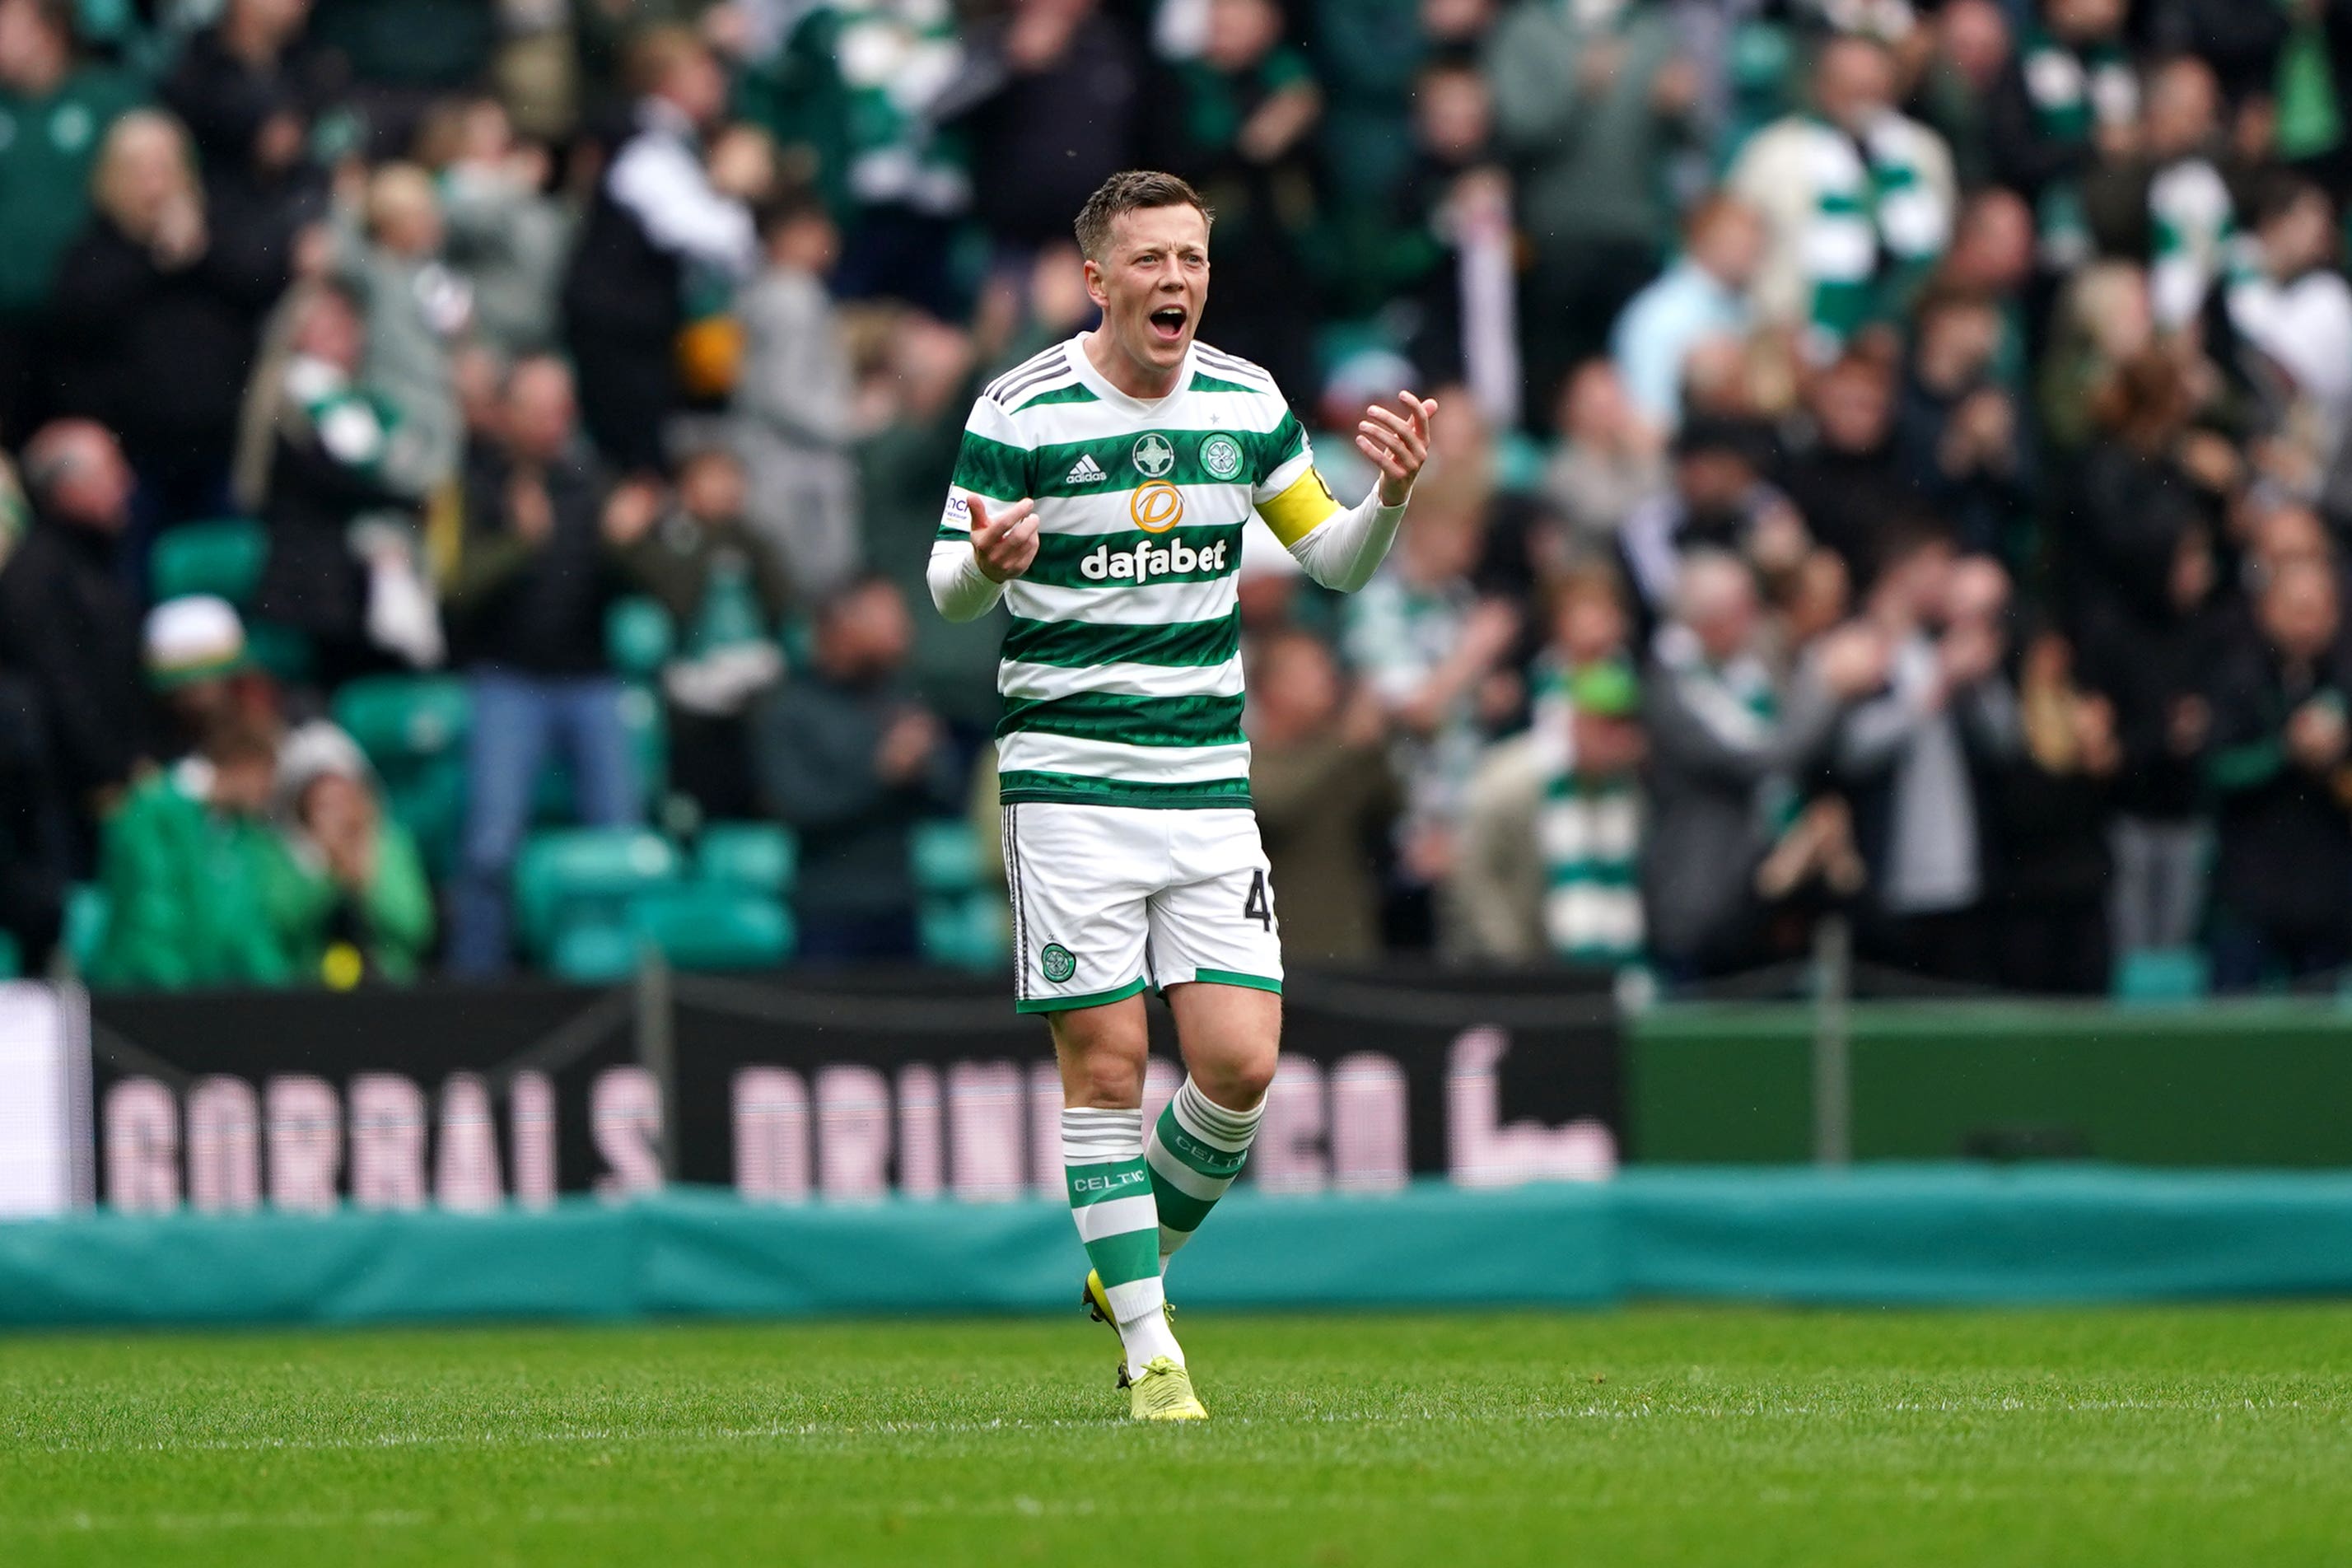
[(1131, 190)]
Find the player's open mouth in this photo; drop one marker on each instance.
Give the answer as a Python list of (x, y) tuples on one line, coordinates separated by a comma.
[(1167, 322)]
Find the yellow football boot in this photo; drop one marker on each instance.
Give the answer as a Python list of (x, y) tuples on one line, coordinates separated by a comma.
[(1164, 1393)]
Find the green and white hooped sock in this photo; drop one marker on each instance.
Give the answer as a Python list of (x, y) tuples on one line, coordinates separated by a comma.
[(1196, 1149), (1111, 1198)]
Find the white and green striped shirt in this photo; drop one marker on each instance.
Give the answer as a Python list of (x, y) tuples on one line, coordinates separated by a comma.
[(1122, 670)]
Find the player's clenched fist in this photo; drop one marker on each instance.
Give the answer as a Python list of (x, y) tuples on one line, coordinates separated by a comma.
[(1006, 543)]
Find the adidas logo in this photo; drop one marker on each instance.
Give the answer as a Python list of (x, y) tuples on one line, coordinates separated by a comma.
[(1084, 471)]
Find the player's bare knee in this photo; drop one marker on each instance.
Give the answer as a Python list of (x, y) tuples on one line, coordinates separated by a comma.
[(1237, 1079), (1102, 1060)]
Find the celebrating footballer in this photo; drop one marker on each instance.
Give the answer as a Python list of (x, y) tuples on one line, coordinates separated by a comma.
[(1100, 493)]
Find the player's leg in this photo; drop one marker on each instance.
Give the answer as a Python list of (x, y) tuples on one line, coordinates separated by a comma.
[(1230, 1035), (1079, 878), (1101, 1054), (1216, 951)]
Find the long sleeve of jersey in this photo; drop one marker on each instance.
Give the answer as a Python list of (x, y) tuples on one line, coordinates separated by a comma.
[(1340, 547), (992, 469), (1344, 550), (958, 587)]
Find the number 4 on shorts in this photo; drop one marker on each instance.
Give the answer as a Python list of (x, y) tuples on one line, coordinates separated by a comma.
[(1255, 906)]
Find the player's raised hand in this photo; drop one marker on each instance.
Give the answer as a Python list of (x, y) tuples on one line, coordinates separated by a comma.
[(1397, 442), (1006, 543)]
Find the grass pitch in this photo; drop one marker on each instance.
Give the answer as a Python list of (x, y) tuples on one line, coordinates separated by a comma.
[(1684, 1436)]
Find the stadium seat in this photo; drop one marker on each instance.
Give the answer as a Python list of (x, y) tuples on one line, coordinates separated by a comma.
[(760, 856), (403, 719), (86, 915), (966, 932), (224, 556), (413, 729), (639, 637), (592, 953), (570, 879), (2161, 976), (704, 925), (641, 716), (12, 958), (946, 857), (283, 650)]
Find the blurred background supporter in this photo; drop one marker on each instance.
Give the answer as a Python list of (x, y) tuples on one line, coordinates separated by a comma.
[(794, 406), (56, 109), (536, 570), (1731, 745), (851, 762), (726, 596), (1319, 780), (314, 461), (1917, 757), (347, 893), (656, 213), (2283, 860), (153, 317), (68, 627), (1551, 829), (187, 868)]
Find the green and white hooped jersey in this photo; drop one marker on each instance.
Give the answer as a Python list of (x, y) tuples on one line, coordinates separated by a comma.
[(1122, 671)]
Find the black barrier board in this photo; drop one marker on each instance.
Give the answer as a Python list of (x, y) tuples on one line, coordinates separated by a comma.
[(842, 1086)]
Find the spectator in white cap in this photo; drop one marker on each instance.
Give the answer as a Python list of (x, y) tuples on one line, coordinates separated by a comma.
[(201, 669)]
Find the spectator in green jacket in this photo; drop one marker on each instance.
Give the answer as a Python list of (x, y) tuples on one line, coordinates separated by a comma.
[(187, 865), (346, 890)]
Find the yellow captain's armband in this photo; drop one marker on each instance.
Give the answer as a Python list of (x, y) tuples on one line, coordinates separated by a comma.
[(1300, 509)]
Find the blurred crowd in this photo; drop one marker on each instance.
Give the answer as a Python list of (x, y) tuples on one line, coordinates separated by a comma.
[(1891, 456)]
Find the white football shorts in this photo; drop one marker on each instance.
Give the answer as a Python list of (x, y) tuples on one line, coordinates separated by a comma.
[(1108, 900)]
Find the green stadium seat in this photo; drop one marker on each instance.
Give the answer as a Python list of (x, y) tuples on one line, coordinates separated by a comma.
[(224, 556), (966, 932), (12, 958), (639, 637), (2160, 977), (946, 858), (569, 877), (641, 716), (284, 651), (704, 925), (593, 953), (400, 719), (428, 798), (86, 917), (413, 729), (760, 856)]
